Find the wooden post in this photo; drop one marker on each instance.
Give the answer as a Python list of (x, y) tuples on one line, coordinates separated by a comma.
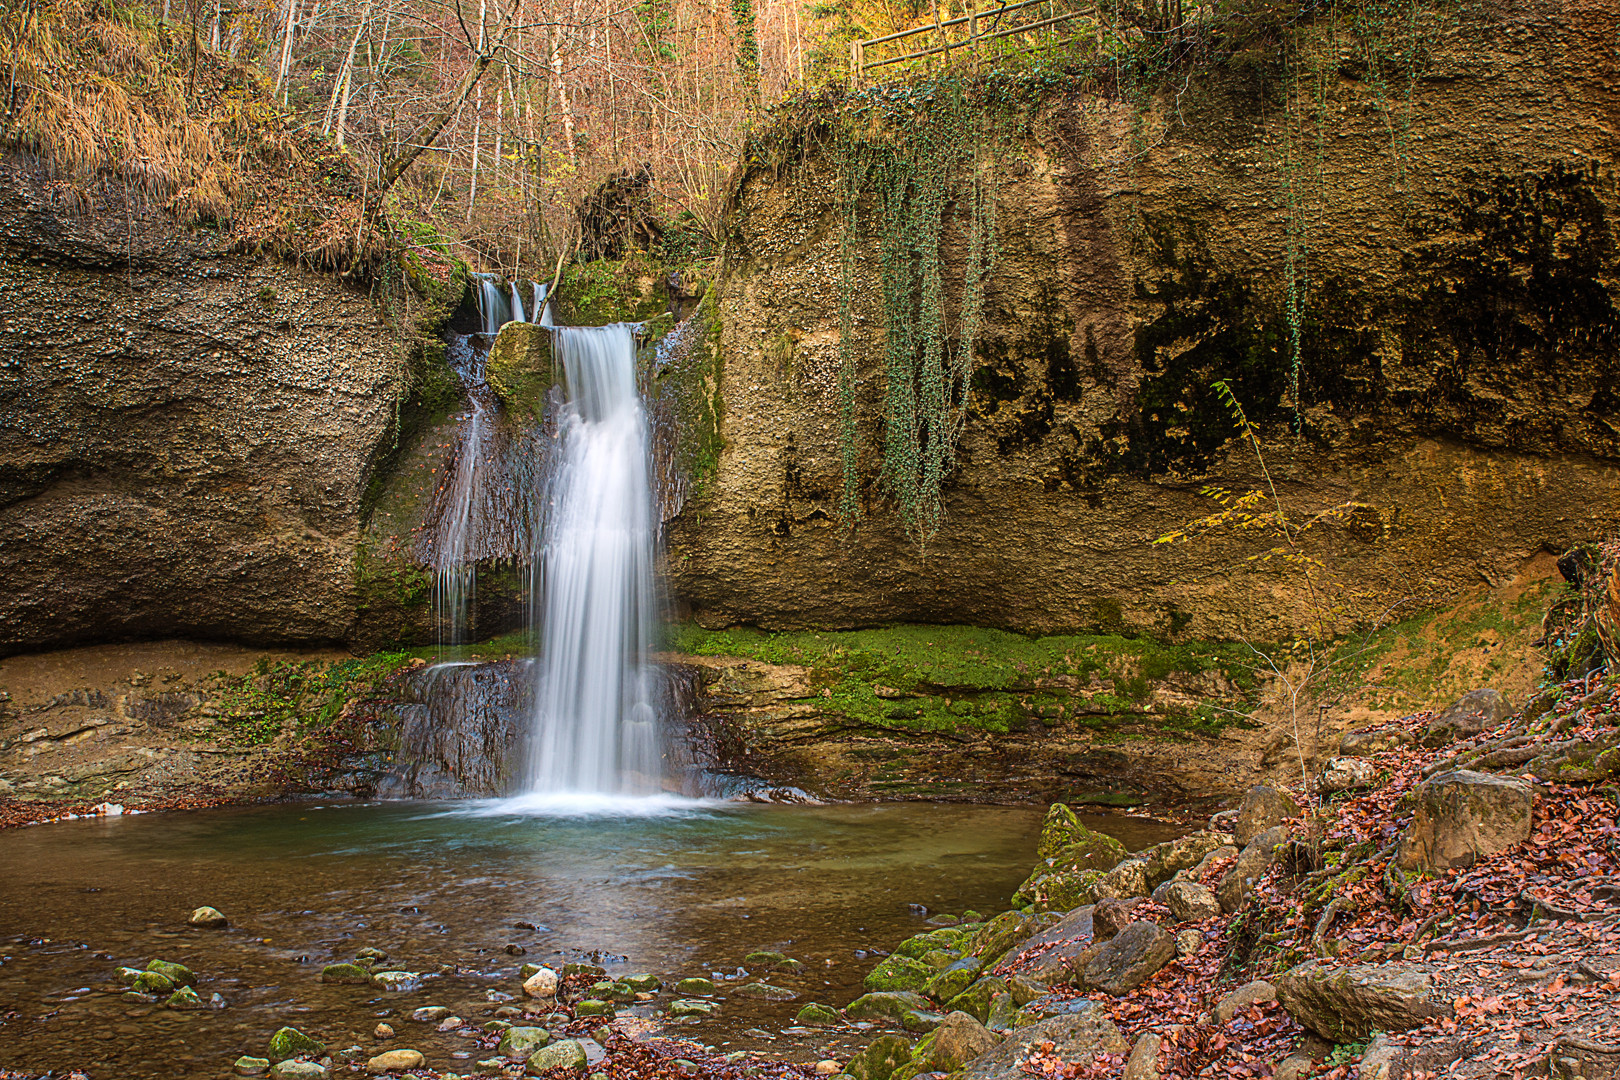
[(973, 31), (857, 57)]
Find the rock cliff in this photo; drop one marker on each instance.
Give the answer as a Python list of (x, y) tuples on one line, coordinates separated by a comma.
[(1455, 403), (186, 434)]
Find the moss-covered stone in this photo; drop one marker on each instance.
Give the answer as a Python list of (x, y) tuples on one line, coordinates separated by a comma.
[(898, 973), (178, 974), (954, 979), (879, 1060), (521, 368), (975, 1000), (289, 1042), (346, 974), (883, 1004)]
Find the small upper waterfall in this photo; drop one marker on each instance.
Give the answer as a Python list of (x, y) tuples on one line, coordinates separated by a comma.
[(501, 302), (596, 721)]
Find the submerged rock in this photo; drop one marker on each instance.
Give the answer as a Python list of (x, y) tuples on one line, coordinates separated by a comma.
[(761, 991), (816, 1015), (692, 1008), (396, 982), (250, 1066), (346, 974), (695, 986), (521, 1042), (298, 1070), (884, 1004), (430, 1014), (563, 1054), (185, 998), (178, 974), (766, 959), (594, 1007)]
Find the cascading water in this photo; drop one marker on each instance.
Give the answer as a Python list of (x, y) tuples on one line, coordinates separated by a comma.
[(596, 724)]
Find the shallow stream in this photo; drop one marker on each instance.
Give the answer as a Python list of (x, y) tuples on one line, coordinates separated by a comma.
[(675, 889)]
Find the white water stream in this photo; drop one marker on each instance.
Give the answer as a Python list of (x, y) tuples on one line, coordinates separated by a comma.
[(596, 725)]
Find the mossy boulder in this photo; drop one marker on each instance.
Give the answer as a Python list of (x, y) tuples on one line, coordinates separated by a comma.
[(185, 998), (178, 974), (917, 947), (695, 986), (899, 973), (816, 1015), (954, 979), (774, 960), (346, 974), (152, 982), (879, 1060), (290, 1043), (563, 1054), (1062, 831), (520, 1043), (594, 1007), (885, 1005), (613, 990), (521, 367), (1002, 933), (975, 1000)]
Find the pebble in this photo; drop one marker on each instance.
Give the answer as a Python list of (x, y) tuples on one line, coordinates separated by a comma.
[(208, 918), (430, 1014), (383, 1031), (827, 1067), (394, 1059), (542, 984)]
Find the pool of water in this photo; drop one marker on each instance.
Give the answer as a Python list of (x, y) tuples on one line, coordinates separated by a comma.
[(670, 887)]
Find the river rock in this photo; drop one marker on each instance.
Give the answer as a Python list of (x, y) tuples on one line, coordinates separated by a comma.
[(643, 984), (394, 1059), (1143, 1064), (1189, 901), (1374, 741), (521, 1042), (396, 982), (298, 1070), (921, 1021), (764, 958), (376, 956), (208, 918), (920, 945), (1060, 828), (1109, 916), (954, 979), (1463, 816), (1348, 1003), (1264, 807), (1347, 774), (563, 1054), (879, 1060), (1130, 959), (613, 990), (290, 1042), (346, 974), (177, 974), (250, 1066), (975, 1000), (816, 1015), (687, 1007), (898, 973), (541, 983), (888, 1005), (1075, 1036), (1469, 715), (1252, 861), (152, 982), (1252, 993), (594, 1007), (763, 991), (957, 1040), (695, 986), (1161, 862), (185, 998)]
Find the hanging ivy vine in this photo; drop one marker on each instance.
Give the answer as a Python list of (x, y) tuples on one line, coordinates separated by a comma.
[(918, 168)]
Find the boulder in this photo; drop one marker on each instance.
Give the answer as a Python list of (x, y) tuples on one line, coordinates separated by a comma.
[(1469, 715), (562, 1054), (290, 1042), (1189, 901), (1009, 929), (185, 998), (692, 1007), (1463, 816), (520, 1043), (1164, 861), (940, 959), (922, 944), (816, 1015), (957, 1040), (1130, 959), (1381, 1060), (975, 1000), (1128, 879), (1264, 807), (1143, 1064), (1060, 963), (394, 1059), (1060, 829), (1349, 1003), (612, 990), (898, 973), (1583, 761), (1374, 741), (885, 1005), (1075, 1036), (1253, 993), (1110, 916), (1003, 1013), (594, 1007), (542, 984), (643, 984), (954, 979), (879, 1060), (1347, 774), (208, 918), (1252, 861)]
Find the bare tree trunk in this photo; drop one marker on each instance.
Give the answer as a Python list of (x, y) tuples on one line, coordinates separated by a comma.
[(340, 89), (286, 48), (428, 132), (563, 106)]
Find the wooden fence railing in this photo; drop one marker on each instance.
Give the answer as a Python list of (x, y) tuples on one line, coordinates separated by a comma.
[(982, 26)]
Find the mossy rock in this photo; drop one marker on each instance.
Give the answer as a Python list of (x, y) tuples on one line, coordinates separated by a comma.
[(775, 960), (594, 1007), (152, 982), (975, 1000), (521, 367), (185, 998), (879, 1060), (885, 1005), (613, 990), (644, 984), (346, 974), (695, 986), (1060, 829), (816, 1015), (178, 974), (521, 1042), (940, 959), (954, 979), (1005, 931), (290, 1043), (1060, 890), (898, 973), (950, 937)]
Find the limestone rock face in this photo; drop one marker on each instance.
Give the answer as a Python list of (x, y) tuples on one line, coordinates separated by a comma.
[(1346, 1004), (1075, 1036), (1112, 302), (1468, 716), (1463, 816), (1263, 807), (186, 435)]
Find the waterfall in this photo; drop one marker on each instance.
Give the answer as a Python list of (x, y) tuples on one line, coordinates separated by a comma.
[(517, 305), (595, 725)]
